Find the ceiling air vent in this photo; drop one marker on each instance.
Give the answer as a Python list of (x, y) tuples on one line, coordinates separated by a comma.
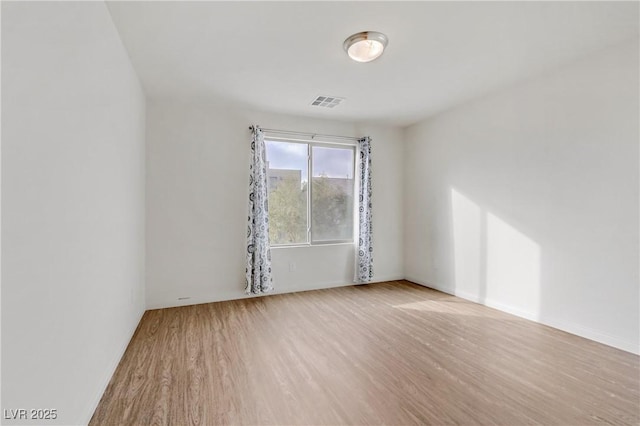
[(327, 101)]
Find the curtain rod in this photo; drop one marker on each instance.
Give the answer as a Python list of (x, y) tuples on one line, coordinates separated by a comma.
[(313, 135)]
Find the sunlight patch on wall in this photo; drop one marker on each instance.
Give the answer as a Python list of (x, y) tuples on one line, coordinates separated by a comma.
[(467, 242), (493, 261), (513, 265)]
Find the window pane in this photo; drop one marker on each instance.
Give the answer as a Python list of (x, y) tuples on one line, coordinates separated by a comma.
[(287, 187), (332, 194)]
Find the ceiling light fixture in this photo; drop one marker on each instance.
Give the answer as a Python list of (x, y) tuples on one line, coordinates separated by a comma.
[(365, 46)]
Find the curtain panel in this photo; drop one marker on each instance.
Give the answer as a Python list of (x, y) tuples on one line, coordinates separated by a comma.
[(364, 255), (258, 267)]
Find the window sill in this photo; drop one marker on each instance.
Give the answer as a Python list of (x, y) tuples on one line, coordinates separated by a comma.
[(350, 243)]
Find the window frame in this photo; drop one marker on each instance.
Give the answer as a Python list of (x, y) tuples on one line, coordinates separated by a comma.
[(324, 144)]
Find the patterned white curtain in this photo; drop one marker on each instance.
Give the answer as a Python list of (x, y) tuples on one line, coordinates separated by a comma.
[(364, 255), (258, 268)]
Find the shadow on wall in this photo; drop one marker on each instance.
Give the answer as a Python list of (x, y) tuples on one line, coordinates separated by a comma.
[(494, 263)]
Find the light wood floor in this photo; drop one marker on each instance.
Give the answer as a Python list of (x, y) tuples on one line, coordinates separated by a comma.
[(393, 353)]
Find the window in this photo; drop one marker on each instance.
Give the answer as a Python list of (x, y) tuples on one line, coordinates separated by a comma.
[(311, 191)]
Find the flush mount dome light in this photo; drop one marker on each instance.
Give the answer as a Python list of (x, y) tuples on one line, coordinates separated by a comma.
[(365, 46)]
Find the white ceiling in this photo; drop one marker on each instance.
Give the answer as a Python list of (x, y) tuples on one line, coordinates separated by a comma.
[(278, 56)]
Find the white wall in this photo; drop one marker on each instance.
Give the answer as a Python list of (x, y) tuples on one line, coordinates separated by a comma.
[(197, 177), (527, 200), (73, 206)]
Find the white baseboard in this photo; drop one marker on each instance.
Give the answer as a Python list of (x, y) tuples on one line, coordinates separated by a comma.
[(238, 294), (569, 327), (106, 378), (232, 295), (386, 278)]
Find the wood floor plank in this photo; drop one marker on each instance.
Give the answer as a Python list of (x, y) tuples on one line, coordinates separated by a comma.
[(386, 353)]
